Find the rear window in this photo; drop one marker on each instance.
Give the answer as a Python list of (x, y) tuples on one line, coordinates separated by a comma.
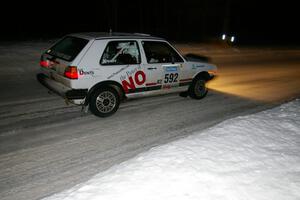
[(68, 48)]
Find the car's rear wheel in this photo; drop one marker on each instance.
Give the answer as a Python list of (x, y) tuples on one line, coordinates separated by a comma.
[(104, 102), (198, 89)]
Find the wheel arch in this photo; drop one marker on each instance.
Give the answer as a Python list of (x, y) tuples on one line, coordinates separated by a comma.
[(112, 84), (203, 74)]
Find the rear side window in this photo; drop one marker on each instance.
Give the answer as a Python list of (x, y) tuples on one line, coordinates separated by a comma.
[(68, 48), (160, 52), (121, 53)]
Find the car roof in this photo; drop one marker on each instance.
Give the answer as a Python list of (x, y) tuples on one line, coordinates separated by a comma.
[(114, 35)]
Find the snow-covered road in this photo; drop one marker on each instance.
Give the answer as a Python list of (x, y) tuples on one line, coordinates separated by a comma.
[(47, 147), (254, 157)]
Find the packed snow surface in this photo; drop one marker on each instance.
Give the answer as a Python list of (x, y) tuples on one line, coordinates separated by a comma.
[(249, 157)]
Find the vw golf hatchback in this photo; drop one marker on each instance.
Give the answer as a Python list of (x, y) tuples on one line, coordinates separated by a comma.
[(99, 70)]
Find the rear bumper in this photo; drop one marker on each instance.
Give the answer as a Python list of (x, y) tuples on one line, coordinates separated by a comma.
[(60, 89)]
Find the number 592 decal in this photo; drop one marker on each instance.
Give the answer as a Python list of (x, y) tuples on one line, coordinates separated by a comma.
[(171, 78)]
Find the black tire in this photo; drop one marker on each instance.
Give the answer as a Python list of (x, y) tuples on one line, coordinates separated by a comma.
[(104, 102), (198, 89)]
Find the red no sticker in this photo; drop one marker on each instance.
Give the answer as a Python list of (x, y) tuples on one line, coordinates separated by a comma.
[(139, 79)]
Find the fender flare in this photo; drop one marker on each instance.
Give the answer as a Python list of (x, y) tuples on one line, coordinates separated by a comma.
[(203, 74)]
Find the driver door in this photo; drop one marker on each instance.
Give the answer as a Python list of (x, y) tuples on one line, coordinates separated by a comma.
[(163, 66)]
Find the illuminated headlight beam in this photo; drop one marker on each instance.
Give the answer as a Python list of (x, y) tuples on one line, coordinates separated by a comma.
[(223, 37), (232, 39)]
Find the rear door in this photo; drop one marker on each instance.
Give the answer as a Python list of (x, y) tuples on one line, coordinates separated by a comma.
[(120, 62)]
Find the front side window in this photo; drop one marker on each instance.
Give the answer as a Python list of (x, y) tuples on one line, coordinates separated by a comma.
[(121, 53), (160, 52)]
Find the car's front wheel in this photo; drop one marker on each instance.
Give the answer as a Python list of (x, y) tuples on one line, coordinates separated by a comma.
[(104, 102), (198, 89)]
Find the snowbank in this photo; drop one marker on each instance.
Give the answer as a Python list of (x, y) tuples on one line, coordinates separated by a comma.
[(249, 157)]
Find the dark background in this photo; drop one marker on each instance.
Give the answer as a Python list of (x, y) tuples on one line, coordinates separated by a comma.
[(252, 22)]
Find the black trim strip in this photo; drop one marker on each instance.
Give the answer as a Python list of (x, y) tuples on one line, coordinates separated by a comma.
[(76, 94), (185, 83), (158, 87), (144, 89)]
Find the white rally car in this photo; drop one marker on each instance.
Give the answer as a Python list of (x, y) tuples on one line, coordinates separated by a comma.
[(98, 70)]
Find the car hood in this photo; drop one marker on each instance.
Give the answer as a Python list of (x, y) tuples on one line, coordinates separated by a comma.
[(197, 58)]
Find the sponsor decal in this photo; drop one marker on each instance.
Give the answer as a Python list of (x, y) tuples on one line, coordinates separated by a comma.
[(171, 69), (171, 78), (195, 66), (82, 72), (133, 78), (117, 72), (166, 87)]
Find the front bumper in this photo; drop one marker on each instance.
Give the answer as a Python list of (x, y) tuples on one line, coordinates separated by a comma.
[(211, 76), (60, 89)]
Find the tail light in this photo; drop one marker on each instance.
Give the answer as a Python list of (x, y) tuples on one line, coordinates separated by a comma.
[(71, 72), (45, 63)]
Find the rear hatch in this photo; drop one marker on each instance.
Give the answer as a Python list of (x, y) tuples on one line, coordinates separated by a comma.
[(60, 57)]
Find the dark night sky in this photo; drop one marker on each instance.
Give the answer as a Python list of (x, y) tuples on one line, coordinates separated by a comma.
[(190, 20)]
